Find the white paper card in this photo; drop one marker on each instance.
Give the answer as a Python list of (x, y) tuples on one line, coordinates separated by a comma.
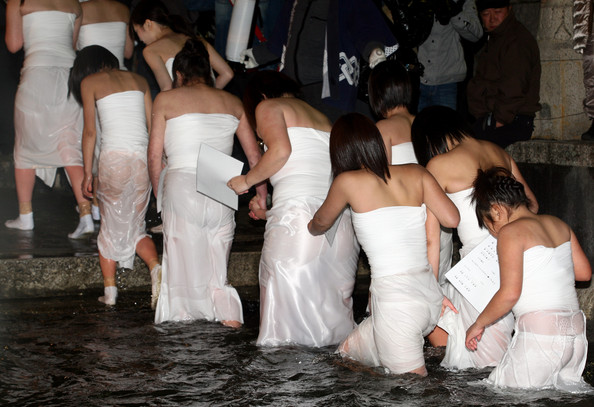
[(476, 276), (213, 171)]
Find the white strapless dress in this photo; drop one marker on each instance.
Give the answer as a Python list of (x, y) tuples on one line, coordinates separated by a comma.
[(124, 186), (497, 336), (305, 283), (405, 297), (404, 153), (197, 231), (110, 35), (48, 124), (549, 346)]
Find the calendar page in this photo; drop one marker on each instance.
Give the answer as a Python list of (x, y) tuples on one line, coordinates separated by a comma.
[(476, 276)]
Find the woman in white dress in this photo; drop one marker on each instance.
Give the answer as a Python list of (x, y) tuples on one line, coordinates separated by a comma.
[(105, 23), (444, 144), (540, 259), (164, 36), (390, 95), (306, 282), (197, 230), (48, 124), (123, 103), (388, 205)]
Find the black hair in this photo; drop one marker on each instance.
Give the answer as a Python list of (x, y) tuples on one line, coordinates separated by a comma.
[(192, 62), (356, 143), (433, 127), (389, 87), (496, 185), (156, 11), (88, 61), (266, 85)]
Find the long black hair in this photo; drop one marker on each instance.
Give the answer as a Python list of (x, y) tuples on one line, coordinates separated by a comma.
[(496, 185), (356, 143), (192, 63), (89, 60), (433, 127)]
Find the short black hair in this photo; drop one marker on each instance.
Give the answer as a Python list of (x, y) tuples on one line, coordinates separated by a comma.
[(389, 87), (192, 62), (356, 143), (88, 61), (496, 185), (433, 127), (266, 85)]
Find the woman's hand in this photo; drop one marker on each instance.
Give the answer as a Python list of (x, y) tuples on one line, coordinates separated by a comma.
[(239, 184), (473, 335), (446, 303), (87, 186), (257, 212)]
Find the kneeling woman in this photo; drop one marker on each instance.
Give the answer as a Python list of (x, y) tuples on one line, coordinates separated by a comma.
[(124, 103), (388, 205), (197, 230), (539, 261)]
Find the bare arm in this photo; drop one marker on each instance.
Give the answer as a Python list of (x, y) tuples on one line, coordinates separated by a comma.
[(335, 202), (251, 149), (157, 65), (581, 265), (433, 242), (510, 250), (128, 45), (273, 130), (156, 142), (77, 24), (89, 136), (438, 202), (220, 66), (14, 26)]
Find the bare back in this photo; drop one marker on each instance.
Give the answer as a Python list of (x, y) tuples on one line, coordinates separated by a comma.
[(395, 130), (103, 11), (66, 6), (106, 83), (296, 113), (456, 170), (198, 98)]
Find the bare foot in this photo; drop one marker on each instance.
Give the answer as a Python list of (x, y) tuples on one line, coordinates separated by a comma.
[(232, 324)]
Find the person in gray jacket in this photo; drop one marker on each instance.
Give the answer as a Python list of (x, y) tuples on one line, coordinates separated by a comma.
[(442, 55)]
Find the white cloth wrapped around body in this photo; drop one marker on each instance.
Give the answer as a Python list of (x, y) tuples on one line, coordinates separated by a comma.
[(197, 231), (497, 336), (405, 297), (124, 186), (305, 283), (48, 124), (549, 346)]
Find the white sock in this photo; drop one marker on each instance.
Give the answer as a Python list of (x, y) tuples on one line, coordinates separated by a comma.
[(111, 293), (23, 222), (95, 212), (155, 285), (85, 225)]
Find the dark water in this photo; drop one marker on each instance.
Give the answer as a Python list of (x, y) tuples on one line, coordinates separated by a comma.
[(73, 351)]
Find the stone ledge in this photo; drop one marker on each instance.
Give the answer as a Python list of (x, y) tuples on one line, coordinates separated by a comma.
[(554, 152)]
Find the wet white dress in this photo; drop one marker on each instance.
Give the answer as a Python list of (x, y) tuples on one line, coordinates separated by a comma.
[(549, 346), (48, 124), (405, 297), (305, 283), (404, 153), (498, 335), (197, 231), (124, 186), (110, 35)]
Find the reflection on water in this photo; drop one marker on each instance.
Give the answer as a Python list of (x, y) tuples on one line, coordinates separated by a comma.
[(73, 351)]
